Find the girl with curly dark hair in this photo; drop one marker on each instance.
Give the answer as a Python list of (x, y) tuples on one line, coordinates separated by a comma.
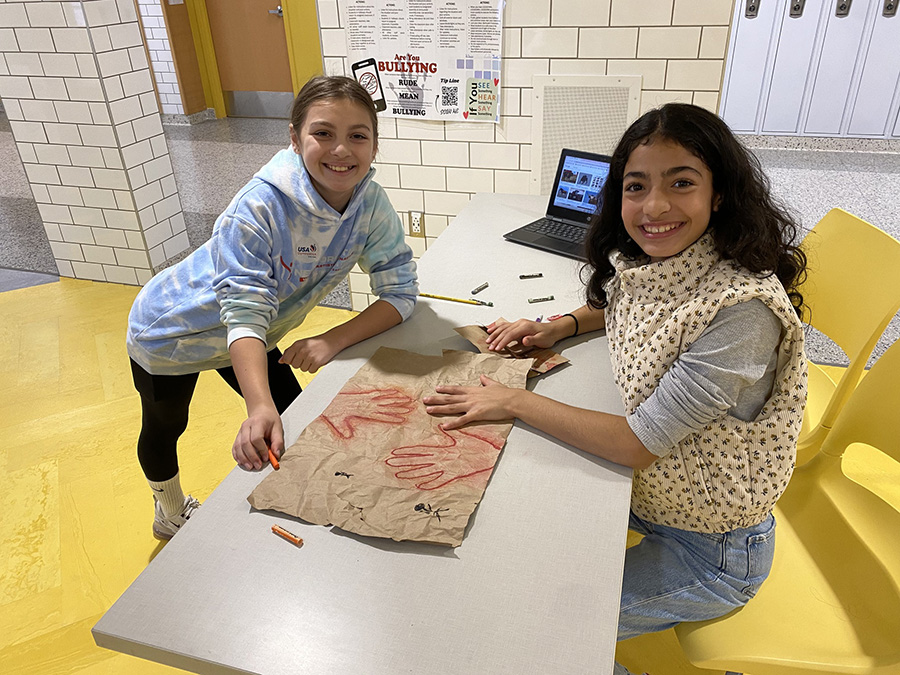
[(694, 276), (749, 226)]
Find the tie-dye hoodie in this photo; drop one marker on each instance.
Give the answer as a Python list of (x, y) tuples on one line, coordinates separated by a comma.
[(275, 252)]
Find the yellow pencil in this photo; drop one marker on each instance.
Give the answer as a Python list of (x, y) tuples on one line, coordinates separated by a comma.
[(447, 297)]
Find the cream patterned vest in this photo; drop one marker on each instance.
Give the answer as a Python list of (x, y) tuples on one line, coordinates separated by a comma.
[(730, 474)]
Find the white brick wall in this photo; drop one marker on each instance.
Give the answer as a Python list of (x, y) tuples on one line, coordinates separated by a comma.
[(161, 61), (677, 46), (79, 95)]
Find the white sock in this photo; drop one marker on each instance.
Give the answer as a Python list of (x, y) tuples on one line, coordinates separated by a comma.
[(169, 495)]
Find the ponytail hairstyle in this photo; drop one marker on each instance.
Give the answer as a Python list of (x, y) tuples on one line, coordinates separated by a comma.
[(750, 226)]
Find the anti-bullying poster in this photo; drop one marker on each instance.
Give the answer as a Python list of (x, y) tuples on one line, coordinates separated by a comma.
[(427, 59)]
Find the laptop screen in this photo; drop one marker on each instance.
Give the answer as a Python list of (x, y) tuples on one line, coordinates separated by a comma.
[(579, 180)]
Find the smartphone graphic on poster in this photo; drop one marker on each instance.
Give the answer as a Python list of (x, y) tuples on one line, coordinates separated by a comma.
[(366, 73)]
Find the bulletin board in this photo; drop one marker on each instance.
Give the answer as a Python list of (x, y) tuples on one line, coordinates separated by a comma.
[(427, 59)]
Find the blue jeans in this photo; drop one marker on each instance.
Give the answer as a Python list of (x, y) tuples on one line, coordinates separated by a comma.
[(675, 575)]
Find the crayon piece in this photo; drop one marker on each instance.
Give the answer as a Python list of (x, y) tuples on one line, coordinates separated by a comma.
[(544, 299), (284, 534), (480, 288), (538, 275), (274, 460)]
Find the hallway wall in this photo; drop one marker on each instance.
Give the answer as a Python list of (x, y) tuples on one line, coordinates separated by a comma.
[(677, 46)]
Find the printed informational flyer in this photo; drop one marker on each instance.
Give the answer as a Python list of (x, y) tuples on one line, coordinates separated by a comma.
[(427, 59)]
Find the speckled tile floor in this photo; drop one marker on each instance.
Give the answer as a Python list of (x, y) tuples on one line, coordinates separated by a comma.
[(212, 160), (811, 182)]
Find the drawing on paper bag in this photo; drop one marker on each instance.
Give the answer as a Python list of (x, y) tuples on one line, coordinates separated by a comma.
[(350, 409), (453, 455), (375, 463)]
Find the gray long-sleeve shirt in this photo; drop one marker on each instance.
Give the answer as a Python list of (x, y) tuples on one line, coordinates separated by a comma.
[(729, 369)]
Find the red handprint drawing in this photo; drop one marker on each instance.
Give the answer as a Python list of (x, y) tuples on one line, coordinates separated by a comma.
[(456, 454), (350, 409)]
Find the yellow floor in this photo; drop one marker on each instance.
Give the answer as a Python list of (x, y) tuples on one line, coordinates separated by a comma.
[(75, 511)]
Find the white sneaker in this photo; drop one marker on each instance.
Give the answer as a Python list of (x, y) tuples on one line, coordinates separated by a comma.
[(165, 527)]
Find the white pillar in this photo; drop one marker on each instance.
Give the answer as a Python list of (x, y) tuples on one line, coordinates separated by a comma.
[(78, 91)]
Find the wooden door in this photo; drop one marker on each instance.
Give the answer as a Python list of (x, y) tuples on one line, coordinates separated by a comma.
[(251, 49), (252, 57)]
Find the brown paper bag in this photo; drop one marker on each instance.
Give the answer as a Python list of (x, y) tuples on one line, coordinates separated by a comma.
[(544, 359), (375, 463)]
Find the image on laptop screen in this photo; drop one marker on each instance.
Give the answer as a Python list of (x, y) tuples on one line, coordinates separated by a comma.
[(576, 195), (579, 185)]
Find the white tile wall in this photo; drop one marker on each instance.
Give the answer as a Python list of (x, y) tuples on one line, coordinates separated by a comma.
[(578, 13), (705, 75), (702, 13), (677, 46), (608, 43), (161, 61), (669, 43), (713, 42), (85, 121), (644, 13)]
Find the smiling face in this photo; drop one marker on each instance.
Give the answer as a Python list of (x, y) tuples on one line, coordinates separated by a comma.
[(337, 143), (667, 198)]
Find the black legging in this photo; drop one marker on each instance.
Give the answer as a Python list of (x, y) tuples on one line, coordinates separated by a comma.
[(165, 400)]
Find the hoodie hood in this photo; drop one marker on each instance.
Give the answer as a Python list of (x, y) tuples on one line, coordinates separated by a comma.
[(287, 173)]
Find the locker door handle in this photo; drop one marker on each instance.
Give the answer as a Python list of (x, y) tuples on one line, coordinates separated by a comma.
[(751, 9), (797, 8), (890, 8), (843, 8)]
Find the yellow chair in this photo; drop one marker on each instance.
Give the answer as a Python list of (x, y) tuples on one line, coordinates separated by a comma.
[(852, 292), (832, 601)]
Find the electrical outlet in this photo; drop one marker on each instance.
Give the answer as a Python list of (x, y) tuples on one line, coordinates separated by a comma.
[(416, 224)]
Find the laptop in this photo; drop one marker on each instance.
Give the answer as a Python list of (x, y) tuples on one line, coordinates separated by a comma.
[(574, 199)]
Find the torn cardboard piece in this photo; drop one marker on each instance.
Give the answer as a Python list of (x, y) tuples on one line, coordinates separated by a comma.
[(375, 463), (544, 359)]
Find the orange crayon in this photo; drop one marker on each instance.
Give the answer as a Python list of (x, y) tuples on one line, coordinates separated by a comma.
[(274, 460), (284, 534)]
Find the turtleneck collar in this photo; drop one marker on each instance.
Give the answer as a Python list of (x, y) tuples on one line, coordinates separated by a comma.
[(670, 278)]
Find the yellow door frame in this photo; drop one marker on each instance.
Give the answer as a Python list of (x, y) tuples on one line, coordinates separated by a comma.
[(301, 29)]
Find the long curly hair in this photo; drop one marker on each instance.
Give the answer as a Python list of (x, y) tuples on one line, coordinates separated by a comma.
[(750, 226)]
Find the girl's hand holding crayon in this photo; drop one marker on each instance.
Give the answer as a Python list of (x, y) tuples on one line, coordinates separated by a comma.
[(260, 431)]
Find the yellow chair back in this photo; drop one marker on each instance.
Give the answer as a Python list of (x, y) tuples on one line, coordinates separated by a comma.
[(832, 601), (852, 291)]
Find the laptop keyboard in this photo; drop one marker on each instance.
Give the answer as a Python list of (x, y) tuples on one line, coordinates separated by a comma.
[(557, 230)]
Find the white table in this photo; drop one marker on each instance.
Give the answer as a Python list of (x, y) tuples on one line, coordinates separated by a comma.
[(534, 587)]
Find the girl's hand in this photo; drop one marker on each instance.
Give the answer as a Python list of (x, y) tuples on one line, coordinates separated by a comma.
[(260, 431), (489, 402), (525, 332), (309, 354)]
